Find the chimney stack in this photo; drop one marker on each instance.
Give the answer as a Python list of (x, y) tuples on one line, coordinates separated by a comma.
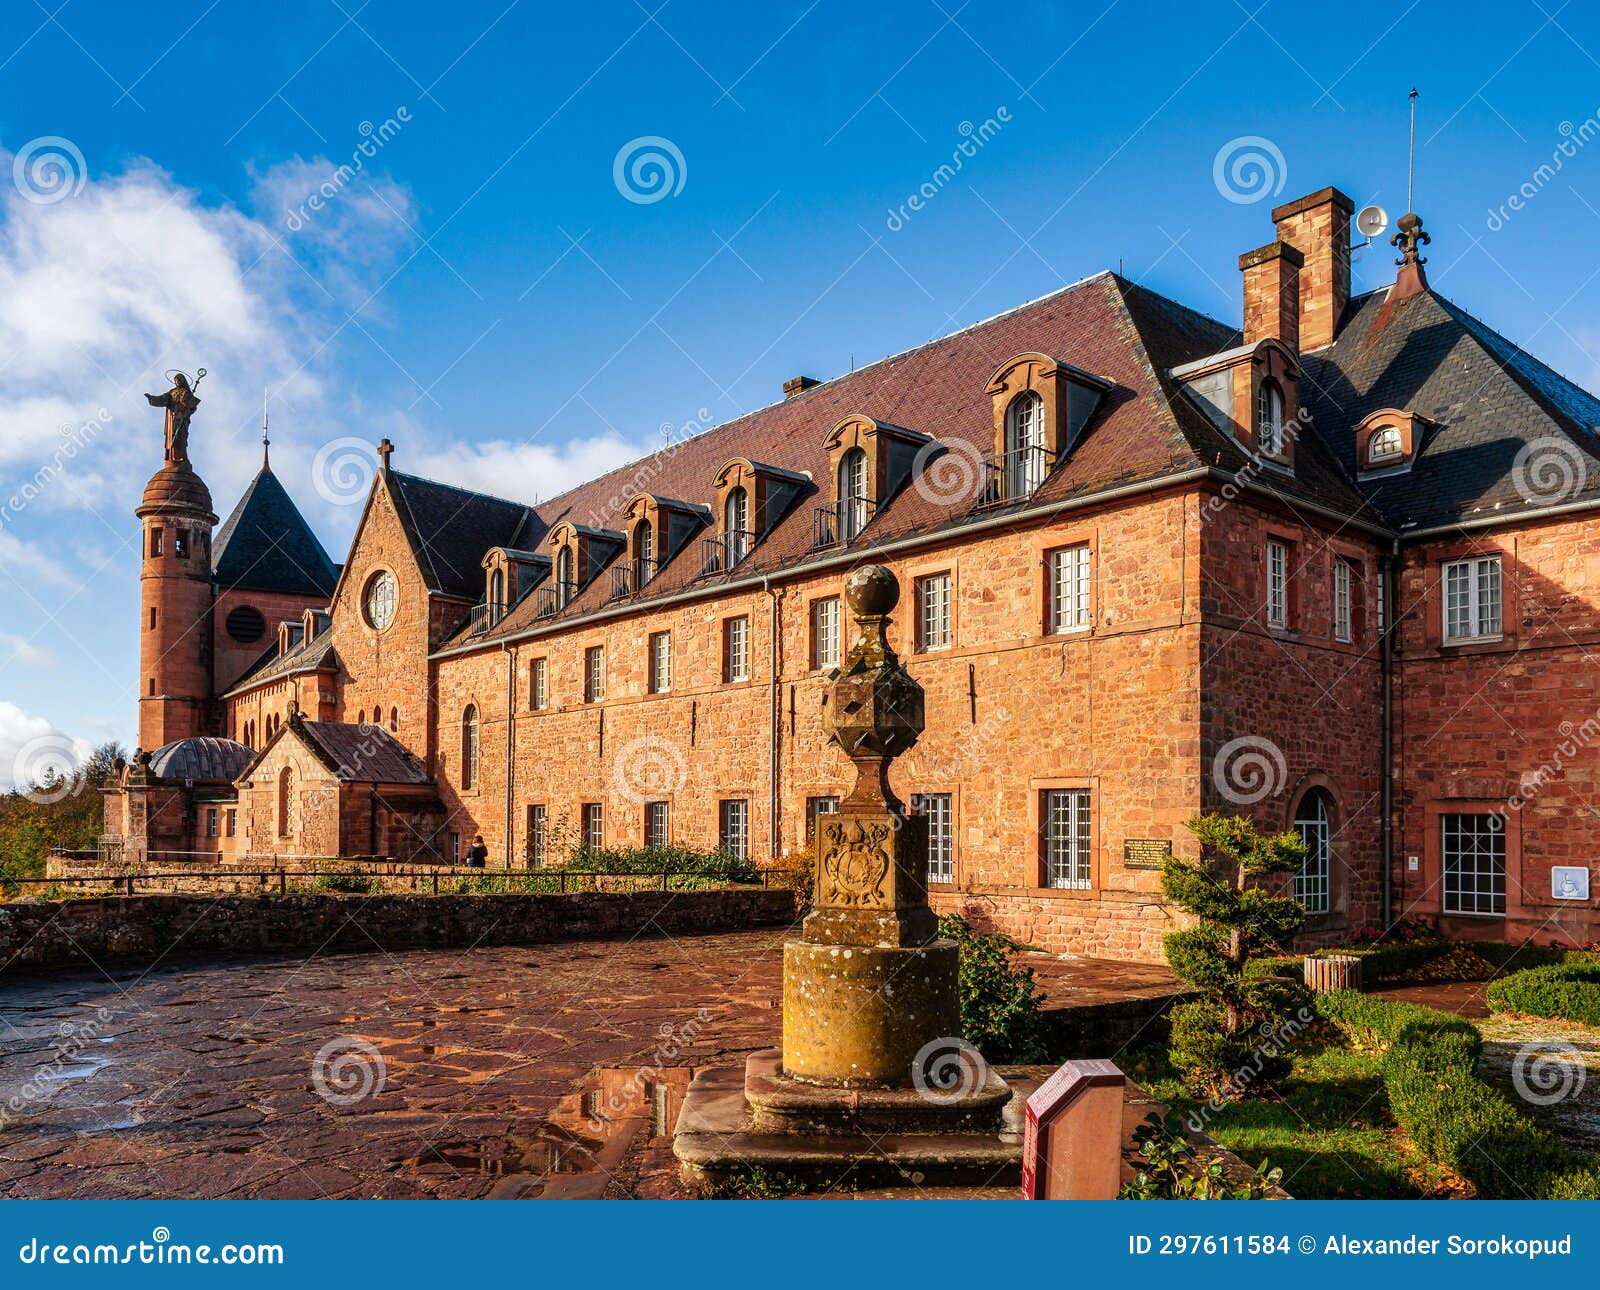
[(1272, 293), (1318, 226), (799, 385)]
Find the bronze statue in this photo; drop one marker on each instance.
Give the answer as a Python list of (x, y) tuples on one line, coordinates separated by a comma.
[(180, 402)]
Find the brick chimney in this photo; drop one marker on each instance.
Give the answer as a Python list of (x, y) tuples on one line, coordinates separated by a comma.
[(1272, 293), (1318, 226), (799, 385)]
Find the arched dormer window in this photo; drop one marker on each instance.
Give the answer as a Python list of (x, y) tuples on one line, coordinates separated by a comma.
[(469, 747), (854, 504), (1388, 439), (497, 595), (1384, 444), (644, 552), (1027, 454), (1269, 417), (736, 533), (566, 576), (285, 802)]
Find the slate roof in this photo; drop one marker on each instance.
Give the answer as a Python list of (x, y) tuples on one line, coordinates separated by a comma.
[(203, 758), (308, 656), (451, 529), (359, 754), (266, 545), (1486, 399)]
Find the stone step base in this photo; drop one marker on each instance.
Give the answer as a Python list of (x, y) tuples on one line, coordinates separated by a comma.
[(975, 1103)]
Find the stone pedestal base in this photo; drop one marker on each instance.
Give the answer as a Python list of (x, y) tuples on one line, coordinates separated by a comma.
[(857, 1016)]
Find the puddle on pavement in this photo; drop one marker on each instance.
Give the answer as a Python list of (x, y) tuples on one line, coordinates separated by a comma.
[(580, 1147)]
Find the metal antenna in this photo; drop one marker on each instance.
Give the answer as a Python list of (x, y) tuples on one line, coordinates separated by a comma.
[(1411, 158), (266, 443)]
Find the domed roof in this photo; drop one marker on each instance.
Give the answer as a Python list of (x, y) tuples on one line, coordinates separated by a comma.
[(201, 758), (176, 485)]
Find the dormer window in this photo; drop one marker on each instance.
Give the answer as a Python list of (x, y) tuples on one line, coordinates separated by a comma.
[(566, 577), (1026, 464), (736, 532), (1269, 414), (1387, 440), (579, 554), (1385, 445), (869, 461), (1252, 393), (751, 498), (658, 528), (1041, 406), (855, 507), (644, 553), (497, 595)]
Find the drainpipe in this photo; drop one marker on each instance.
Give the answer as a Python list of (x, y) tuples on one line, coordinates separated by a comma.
[(1391, 584), (774, 703), (511, 735)]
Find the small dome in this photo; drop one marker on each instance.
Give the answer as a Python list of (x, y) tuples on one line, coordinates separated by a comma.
[(201, 758), (176, 485)]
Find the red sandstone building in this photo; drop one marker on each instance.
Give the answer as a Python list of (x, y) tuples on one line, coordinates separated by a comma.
[(1152, 566)]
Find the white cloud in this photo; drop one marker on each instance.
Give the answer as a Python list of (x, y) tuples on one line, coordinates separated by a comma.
[(19, 649), (523, 471), (31, 748)]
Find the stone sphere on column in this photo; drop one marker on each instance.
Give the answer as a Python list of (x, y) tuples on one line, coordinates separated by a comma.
[(872, 591)]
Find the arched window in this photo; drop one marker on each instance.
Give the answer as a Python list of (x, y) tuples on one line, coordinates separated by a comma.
[(497, 595), (736, 525), (361, 717), (565, 577), (853, 514), (285, 802), (1313, 820), (644, 553), (1384, 444), (1025, 462), (394, 720), (1269, 414), (469, 747)]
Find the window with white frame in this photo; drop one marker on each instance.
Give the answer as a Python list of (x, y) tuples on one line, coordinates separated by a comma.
[(736, 649), (1472, 599), (933, 612), (594, 674), (1277, 584), (1066, 837), (733, 827), (592, 825), (1342, 612), (1312, 882), (825, 632), (660, 662), (935, 807), (816, 808), (1383, 600), (539, 684), (655, 824), (1270, 417), (213, 822), (1384, 445), (469, 747), (1473, 855), (1069, 589), (536, 833)]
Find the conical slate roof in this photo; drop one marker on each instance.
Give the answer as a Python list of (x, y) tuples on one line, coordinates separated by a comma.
[(266, 545)]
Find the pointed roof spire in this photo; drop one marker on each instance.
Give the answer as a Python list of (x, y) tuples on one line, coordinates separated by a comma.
[(266, 442)]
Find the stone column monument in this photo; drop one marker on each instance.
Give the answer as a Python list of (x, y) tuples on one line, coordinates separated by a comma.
[(871, 1012)]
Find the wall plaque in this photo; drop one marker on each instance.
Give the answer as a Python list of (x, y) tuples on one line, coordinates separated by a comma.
[(1145, 853)]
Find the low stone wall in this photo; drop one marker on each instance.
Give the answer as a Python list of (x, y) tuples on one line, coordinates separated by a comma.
[(37, 935)]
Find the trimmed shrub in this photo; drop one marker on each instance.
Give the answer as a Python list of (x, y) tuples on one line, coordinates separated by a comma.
[(1569, 991), (1002, 1008), (1430, 1073)]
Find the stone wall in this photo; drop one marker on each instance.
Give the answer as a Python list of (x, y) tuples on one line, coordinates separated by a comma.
[(49, 934)]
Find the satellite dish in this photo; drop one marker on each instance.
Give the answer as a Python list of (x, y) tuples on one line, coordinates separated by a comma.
[(1372, 221)]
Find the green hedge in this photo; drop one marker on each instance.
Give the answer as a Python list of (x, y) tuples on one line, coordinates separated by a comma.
[(1569, 991), (1430, 1074)]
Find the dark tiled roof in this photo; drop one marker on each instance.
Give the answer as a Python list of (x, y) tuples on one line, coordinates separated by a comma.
[(362, 754), (1485, 400), (308, 656), (266, 545), (202, 759), (452, 529)]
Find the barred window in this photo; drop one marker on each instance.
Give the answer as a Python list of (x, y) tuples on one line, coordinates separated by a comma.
[(594, 674), (660, 662), (1472, 599), (1312, 882), (941, 837), (933, 612), (1473, 850), (733, 828), (1069, 589), (736, 649), (655, 824), (825, 632), (1277, 584), (1066, 838)]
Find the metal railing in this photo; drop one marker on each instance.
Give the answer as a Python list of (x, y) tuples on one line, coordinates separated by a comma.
[(725, 551), (553, 599), (485, 614), (632, 577), (842, 521), (1014, 476)]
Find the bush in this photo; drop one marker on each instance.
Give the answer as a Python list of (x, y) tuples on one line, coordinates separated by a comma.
[(1430, 1074), (1002, 1008), (349, 880), (688, 867), (1569, 991), (1169, 1168)]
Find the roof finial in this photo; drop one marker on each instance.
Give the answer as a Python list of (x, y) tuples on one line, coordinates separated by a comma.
[(385, 449), (266, 443)]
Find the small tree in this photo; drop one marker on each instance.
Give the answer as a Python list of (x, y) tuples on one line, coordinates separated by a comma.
[(1221, 1041)]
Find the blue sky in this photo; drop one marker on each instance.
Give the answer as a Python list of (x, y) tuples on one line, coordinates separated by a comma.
[(480, 287)]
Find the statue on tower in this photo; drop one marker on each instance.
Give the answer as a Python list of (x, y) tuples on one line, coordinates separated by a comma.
[(180, 402)]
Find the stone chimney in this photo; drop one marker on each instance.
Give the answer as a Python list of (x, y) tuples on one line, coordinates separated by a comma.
[(1272, 293), (799, 385), (1318, 226)]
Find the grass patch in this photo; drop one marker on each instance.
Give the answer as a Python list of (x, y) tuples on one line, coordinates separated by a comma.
[(1326, 1124)]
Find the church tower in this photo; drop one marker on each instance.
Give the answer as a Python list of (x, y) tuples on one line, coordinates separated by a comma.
[(175, 587)]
